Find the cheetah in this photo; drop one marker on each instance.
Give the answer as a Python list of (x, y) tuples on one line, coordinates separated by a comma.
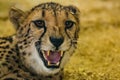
[(46, 37)]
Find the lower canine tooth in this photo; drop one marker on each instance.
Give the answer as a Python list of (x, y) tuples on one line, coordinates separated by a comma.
[(57, 63), (48, 63)]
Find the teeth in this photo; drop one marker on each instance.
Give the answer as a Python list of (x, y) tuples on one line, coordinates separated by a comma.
[(48, 53), (49, 63), (44, 56), (57, 63), (53, 64), (61, 53)]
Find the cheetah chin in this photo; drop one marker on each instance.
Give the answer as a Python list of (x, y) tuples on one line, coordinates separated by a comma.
[(51, 59)]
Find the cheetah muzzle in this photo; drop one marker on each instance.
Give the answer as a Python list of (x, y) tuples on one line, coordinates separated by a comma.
[(51, 59)]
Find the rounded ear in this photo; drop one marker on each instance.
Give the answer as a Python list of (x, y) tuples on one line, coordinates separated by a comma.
[(16, 16), (73, 9)]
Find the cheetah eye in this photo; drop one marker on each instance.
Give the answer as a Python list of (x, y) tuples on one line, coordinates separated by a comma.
[(39, 23), (69, 24)]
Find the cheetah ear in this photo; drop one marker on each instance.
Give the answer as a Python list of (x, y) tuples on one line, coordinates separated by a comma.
[(73, 9), (16, 16)]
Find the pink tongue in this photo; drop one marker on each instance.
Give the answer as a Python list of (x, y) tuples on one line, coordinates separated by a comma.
[(53, 57)]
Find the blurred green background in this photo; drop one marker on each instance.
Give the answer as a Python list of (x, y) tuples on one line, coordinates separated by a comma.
[(98, 53)]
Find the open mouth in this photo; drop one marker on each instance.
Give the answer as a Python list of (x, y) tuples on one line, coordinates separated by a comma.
[(51, 59)]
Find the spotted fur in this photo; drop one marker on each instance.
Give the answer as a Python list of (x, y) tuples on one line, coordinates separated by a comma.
[(49, 27)]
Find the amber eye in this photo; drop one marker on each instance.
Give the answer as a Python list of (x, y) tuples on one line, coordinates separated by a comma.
[(39, 23), (69, 24)]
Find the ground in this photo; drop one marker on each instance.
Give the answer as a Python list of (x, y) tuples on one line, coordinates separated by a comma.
[(98, 53)]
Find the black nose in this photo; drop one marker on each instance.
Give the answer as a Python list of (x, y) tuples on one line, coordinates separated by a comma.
[(56, 41)]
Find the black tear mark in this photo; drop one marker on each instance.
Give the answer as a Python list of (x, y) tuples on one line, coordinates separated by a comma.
[(67, 33), (43, 33)]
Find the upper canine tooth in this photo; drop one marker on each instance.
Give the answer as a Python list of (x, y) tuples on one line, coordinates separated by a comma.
[(44, 56), (48, 53), (61, 53)]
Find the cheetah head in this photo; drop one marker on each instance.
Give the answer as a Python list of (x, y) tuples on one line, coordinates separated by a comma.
[(46, 35)]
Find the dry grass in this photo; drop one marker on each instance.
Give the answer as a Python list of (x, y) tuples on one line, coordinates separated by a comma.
[(98, 53)]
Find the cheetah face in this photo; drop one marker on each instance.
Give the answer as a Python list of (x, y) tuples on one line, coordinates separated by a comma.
[(53, 32), (52, 45)]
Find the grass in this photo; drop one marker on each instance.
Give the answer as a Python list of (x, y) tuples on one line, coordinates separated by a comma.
[(98, 53)]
